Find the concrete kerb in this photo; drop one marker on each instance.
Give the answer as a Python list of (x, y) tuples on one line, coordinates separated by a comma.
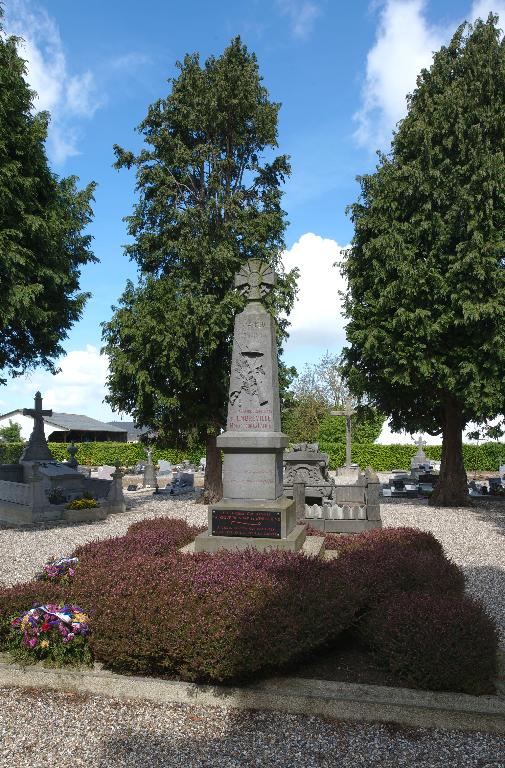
[(343, 701)]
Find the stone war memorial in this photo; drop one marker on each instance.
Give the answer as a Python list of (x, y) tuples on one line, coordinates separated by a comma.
[(254, 512)]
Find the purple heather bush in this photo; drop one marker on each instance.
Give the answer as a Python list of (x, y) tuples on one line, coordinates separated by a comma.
[(436, 642), (210, 617), (234, 615), (392, 561)]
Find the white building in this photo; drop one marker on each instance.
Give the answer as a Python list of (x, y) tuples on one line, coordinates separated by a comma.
[(67, 428), (388, 437)]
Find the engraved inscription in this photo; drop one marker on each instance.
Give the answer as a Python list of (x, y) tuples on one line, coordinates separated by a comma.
[(255, 524), (256, 419)]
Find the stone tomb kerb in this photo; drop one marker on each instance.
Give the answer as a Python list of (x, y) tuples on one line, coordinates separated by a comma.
[(253, 511)]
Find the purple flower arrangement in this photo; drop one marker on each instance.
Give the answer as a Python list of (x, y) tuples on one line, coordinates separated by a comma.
[(62, 569), (53, 633)]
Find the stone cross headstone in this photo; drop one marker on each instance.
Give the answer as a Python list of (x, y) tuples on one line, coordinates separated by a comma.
[(420, 458), (149, 480), (253, 511), (347, 411), (37, 448)]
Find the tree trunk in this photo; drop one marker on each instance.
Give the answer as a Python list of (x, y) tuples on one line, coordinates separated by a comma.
[(213, 484), (451, 489)]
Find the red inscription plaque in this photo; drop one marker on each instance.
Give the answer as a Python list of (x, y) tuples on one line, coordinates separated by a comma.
[(252, 524)]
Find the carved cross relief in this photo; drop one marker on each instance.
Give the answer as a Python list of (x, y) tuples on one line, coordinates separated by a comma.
[(255, 279)]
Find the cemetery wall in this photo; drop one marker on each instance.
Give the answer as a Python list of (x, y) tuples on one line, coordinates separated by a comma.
[(382, 458)]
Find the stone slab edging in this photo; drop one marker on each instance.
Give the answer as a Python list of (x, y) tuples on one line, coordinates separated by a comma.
[(344, 701)]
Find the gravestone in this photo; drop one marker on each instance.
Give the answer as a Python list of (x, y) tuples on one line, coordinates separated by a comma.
[(184, 482), (56, 476), (37, 448), (253, 511), (115, 499), (165, 467), (149, 480), (306, 464)]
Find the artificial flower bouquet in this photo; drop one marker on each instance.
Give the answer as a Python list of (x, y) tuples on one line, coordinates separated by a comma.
[(55, 634), (61, 569)]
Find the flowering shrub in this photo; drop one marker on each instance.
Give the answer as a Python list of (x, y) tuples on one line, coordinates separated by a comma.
[(391, 561), (436, 643), (412, 539), (56, 495), (216, 617), (234, 615), (53, 633), (59, 570), (84, 503)]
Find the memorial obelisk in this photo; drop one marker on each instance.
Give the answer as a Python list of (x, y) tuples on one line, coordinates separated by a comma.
[(253, 511)]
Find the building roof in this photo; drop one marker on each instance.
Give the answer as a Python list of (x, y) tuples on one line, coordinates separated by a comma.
[(80, 423), (75, 421), (134, 433)]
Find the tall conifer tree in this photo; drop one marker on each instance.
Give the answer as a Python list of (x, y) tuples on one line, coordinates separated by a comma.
[(426, 268), (208, 200), (42, 247)]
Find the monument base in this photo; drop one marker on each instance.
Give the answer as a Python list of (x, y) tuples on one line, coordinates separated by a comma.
[(258, 524)]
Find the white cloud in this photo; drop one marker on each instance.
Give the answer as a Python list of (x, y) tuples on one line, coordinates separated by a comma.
[(316, 319), (482, 8), (302, 15), (405, 44), (79, 387), (68, 97)]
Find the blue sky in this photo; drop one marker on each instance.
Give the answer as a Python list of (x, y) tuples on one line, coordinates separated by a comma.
[(341, 71)]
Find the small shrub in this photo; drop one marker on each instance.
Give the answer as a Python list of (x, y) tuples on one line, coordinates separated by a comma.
[(207, 617), (412, 539), (84, 503), (437, 643), (53, 633), (56, 495), (393, 561)]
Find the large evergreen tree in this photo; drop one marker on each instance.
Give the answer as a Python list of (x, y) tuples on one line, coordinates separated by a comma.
[(208, 200), (41, 220), (426, 302)]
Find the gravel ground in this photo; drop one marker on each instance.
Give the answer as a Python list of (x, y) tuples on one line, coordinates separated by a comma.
[(24, 551), (106, 732), (37, 727)]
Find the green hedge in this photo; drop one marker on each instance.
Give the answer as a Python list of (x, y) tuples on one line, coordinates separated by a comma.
[(384, 458), (98, 454)]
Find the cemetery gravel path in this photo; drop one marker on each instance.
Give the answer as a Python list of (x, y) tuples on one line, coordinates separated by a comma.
[(41, 728), (38, 728)]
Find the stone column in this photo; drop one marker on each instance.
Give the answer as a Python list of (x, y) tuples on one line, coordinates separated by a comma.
[(149, 480), (115, 499), (299, 499)]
